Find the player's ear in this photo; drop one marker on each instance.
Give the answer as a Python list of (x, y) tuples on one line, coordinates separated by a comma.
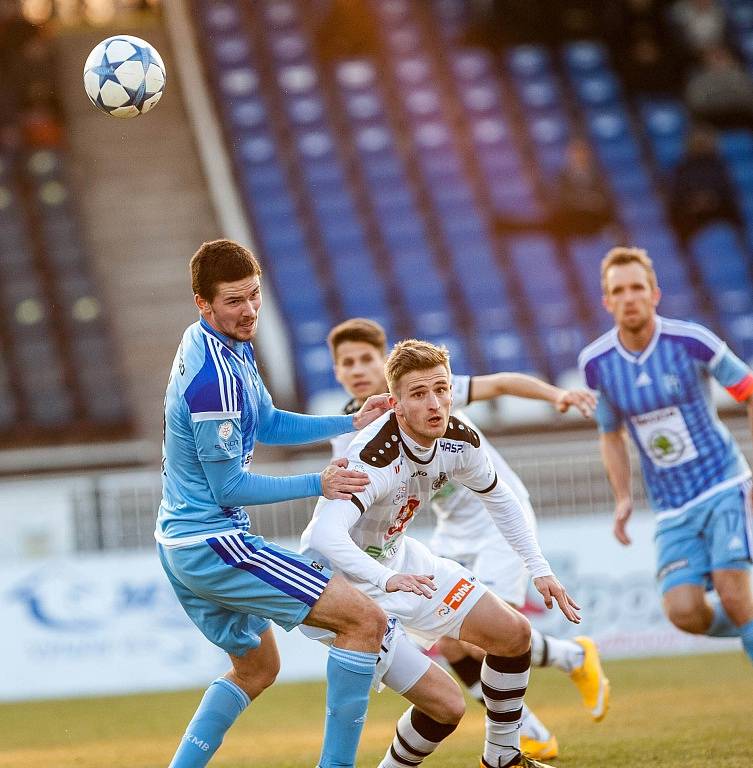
[(657, 295), (395, 405), (201, 303)]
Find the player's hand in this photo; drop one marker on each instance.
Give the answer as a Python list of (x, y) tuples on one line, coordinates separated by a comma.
[(581, 399), (551, 590), (406, 582), (622, 511), (372, 409), (339, 482)]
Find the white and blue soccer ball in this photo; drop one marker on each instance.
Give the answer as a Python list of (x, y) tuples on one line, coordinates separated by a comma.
[(124, 76)]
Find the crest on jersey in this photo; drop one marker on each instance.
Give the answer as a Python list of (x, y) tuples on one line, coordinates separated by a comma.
[(440, 481), (401, 494), (225, 430)]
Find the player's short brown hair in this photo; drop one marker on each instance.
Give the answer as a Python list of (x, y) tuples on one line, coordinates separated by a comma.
[(220, 261), (357, 329), (625, 255), (413, 355)]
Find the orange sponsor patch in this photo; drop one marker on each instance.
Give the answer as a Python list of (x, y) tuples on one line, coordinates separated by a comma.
[(454, 598)]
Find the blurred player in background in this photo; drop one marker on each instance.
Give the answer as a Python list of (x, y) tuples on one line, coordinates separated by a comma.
[(652, 375), (230, 582), (409, 454), (358, 348)]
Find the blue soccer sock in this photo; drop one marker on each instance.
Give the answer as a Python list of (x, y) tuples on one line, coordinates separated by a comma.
[(349, 676), (746, 633), (220, 706), (721, 624)]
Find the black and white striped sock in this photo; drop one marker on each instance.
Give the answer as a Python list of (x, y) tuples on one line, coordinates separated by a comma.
[(416, 736), (504, 681)]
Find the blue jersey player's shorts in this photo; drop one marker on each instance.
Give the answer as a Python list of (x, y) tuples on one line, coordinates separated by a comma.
[(231, 585), (713, 535)]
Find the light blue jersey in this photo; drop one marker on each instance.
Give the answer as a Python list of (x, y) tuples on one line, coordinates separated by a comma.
[(663, 397), (216, 408)]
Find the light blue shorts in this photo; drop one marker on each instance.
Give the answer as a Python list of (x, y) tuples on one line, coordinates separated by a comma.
[(712, 536), (232, 585)]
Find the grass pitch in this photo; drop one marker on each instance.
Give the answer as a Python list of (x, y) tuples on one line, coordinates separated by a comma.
[(687, 712)]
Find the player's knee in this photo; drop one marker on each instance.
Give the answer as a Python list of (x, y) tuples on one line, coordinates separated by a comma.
[(371, 621), (516, 638), (736, 603), (520, 638), (686, 617)]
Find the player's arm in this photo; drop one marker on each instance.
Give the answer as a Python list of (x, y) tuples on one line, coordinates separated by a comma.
[(521, 385), (616, 459), (329, 535), (279, 427), (478, 474)]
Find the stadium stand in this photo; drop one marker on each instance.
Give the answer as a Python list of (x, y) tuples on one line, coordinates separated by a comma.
[(432, 159)]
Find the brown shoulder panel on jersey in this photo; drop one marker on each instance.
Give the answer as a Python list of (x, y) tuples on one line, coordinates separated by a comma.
[(358, 503), (459, 430), (384, 447), (486, 490)]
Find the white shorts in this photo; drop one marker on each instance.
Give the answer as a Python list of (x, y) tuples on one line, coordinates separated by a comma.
[(441, 615), (401, 663), (495, 563)]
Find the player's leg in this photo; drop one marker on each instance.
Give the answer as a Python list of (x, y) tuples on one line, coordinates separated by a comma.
[(729, 537), (437, 700), (536, 740), (736, 596), (359, 625), (687, 554), (255, 663), (505, 635)]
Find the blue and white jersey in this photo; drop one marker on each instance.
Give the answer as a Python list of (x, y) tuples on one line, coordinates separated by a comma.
[(663, 396), (212, 410)]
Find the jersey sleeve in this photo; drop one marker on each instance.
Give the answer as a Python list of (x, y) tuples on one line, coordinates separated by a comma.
[(606, 416), (733, 374), (214, 409), (328, 533), (461, 391)]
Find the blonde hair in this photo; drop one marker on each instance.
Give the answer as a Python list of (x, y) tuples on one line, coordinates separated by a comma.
[(621, 255), (413, 355)]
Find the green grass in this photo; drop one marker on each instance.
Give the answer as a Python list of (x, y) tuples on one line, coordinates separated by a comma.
[(688, 712)]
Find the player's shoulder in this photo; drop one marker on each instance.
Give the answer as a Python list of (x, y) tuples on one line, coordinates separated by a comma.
[(693, 335), (604, 345), (460, 431), (378, 444), (209, 384)]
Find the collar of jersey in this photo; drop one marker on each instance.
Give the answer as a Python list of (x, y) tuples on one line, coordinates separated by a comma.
[(405, 440), (638, 359), (233, 346)]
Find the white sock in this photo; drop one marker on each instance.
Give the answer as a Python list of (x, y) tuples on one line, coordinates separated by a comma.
[(504, 683), (531, 727), (416, 736), (549, 651)]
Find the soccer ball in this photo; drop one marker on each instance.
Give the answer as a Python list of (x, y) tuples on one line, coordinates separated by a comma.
[(124, 76)]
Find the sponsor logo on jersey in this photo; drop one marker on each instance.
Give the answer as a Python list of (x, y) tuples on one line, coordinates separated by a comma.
[(450, 447), (455, 597), (418, 473), (443, 610), (225, 430), (404, 516), (440, 481)]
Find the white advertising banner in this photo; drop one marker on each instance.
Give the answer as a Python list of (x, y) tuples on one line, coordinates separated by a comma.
[(107, 624), (110, 623), (616, 588)]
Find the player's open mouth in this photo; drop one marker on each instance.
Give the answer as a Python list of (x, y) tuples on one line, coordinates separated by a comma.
[(435, 421)]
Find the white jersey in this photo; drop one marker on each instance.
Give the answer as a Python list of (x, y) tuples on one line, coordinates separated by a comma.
[(363, 537)]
